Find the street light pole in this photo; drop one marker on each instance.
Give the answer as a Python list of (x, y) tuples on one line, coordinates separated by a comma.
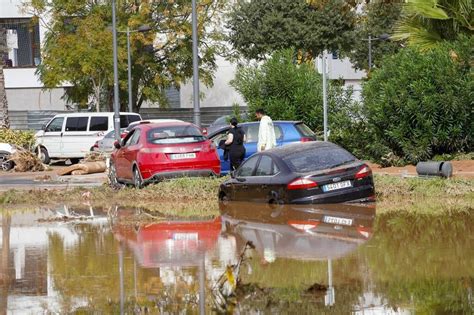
[(196, 105), (370, 52), (325, 97), (130, 107), (116, 87)]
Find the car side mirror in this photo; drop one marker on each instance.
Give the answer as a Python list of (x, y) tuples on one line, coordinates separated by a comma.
[(117, 144), (43, 127)]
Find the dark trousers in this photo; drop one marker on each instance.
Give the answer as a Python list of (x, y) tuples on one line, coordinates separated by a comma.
[(236, 158)]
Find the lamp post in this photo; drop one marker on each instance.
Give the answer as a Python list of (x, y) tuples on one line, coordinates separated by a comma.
[(116, 89), (141, 29), (370, 39), (196, 105)]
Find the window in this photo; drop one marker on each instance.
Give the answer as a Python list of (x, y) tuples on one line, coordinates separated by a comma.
[(304, 130), (76, 123), (248, 167), (125, 120), (56, 125), (134, 138), (99, 123), (314, 159), (266, 167), (251, 133), (23, 42), (185, 133)]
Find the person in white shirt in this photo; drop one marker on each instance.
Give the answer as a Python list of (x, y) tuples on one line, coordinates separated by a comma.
[(266, 132)]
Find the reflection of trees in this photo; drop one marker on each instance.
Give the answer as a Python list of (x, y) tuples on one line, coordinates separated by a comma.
[(424, 261), (4, 272)]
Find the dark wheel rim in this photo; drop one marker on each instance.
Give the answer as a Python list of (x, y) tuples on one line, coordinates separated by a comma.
[(137, 180)]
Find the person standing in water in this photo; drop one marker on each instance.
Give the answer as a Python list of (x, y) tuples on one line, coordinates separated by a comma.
[(266, 132), (235, 143)]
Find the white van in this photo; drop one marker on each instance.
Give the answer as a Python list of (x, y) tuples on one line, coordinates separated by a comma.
[(71, 136)]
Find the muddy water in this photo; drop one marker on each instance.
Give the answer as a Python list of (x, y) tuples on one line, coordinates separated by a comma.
[(292, 259)]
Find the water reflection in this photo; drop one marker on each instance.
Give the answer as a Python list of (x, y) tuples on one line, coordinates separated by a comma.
[(253, 258)]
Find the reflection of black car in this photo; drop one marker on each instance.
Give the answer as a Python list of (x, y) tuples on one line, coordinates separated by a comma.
[(312, 172), (313, 232)]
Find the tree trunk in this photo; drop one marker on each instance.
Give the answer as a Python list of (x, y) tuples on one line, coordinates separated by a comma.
[(4, 119)]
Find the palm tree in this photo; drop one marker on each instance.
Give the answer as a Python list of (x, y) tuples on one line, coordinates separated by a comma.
[(426, 23), (4, 120)]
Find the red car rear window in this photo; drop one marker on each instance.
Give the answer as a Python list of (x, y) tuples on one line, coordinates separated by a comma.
[(175, 134)]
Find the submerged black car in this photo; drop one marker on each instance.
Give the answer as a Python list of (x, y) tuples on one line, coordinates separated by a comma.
[(312, 172)]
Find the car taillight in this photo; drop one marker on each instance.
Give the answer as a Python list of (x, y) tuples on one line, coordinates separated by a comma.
[(302, 183), (96, 144), (306, 139), (363, 172), (303, 225), (209, 148), (123, 135)]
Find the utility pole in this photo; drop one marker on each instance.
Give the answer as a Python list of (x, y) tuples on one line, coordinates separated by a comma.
[(196, 105), (130, 107), (325, 97), (116, 87)]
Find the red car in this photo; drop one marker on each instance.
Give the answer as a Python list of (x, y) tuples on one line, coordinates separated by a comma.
[(154, 151)]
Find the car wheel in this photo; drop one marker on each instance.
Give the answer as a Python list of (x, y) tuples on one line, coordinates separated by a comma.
[(44, 156), (137, 178), (5, 164), (113, 181), (74, 161)]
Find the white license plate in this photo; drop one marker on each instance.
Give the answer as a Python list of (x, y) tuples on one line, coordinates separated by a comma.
[(181, 156), (185, 236), (336, 186), (337, 220)]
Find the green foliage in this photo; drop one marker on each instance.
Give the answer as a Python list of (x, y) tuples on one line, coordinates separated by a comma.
[(376, 18), (20, 138), (78, 47), (420, 105), (257, 28), (426, 23)]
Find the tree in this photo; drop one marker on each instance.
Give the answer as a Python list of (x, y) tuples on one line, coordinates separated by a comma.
[(259, 27), (5, 121), (426, 23), (419, 105), (78, 47), (375, 19)]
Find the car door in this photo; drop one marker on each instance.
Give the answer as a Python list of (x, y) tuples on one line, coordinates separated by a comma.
[(76, 141), (130, 153), (243, 180), (121, 163), (261, 184), (251, 138), (51, 138), (225, 165)]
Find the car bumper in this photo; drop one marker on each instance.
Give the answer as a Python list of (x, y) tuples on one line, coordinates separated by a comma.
[(364, 193), (181, 173)]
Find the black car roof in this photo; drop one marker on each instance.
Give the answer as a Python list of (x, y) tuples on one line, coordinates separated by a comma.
[(296, 147)]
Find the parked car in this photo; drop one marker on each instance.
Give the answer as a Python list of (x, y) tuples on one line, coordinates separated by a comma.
[(314, 172), (70, 136), (6, 150), (286, 132), (220, 122), (154, 151)]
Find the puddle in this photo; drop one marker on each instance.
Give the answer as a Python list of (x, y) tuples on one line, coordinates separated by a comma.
[(251, 258)]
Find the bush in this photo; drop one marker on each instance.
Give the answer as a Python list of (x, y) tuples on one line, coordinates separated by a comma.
[(20, 138), (420, 105)]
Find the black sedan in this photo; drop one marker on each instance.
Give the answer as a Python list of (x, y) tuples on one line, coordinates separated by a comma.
[(312, 172)]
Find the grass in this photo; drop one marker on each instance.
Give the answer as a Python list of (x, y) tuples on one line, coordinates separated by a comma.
[(197, 197)]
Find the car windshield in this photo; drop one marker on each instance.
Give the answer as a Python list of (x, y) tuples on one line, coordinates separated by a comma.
[(175, 134), (315, 159)]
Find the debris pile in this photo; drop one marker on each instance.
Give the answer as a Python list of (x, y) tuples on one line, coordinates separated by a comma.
[(26, 161)]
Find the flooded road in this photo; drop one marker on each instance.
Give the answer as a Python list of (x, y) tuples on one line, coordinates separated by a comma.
[(250, 259)]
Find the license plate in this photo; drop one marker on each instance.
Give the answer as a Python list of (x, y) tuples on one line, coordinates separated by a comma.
[(181, 156), (185, 236), (336, 186), (337, 220)]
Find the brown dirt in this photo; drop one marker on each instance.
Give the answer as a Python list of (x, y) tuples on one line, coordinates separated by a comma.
[(461, 169)]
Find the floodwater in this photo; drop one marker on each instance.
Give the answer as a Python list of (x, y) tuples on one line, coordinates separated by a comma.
[(250, 259)]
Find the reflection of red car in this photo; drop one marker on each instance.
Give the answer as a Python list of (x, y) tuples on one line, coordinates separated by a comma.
[(154, 151), (171, 243)]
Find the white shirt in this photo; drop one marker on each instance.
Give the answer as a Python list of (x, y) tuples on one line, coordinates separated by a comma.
[(266, 134)]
